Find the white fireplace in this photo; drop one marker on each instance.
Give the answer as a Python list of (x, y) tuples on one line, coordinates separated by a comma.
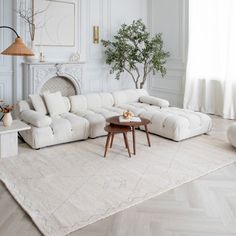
[(50, 76)]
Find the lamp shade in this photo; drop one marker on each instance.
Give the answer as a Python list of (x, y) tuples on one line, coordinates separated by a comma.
[(18, 48)]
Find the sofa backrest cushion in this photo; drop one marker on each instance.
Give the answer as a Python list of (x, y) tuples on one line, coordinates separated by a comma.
[(78, 104), (67, 103), (98, 100), (107, 99), (128, 96), (93, 100)]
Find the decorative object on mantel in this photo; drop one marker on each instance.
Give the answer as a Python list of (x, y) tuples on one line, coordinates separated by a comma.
[(96, 34), (28, 16), (75, 57), (135, 52), (42, 57), (6, 110)]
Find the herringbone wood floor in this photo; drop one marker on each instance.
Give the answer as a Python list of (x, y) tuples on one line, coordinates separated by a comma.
[(204, 207)]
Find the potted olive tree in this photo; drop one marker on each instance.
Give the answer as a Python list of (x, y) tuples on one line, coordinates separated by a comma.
[(134, 51)]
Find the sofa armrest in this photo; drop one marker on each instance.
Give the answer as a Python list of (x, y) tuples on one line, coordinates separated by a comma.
[(154, 101), (35, 118)]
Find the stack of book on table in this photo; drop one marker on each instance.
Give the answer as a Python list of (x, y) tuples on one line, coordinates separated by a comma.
[(132, 119)]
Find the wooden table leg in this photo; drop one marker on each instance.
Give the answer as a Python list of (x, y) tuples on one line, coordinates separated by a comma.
[(134, 144), (107, 144), (124, 140), (112, 138), (127, 143), (147, 133)]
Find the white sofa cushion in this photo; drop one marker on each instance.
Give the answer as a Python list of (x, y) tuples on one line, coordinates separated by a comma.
[(79, 104), (154, 101), (55, 103), (97, 122), (68, 126), (23, 105), (38, 103), (177, 124), (107, 99), (65, 128), (137, 108), (98, 100), (35, 118), (93, 101), (232, 134), (67, 103), (128, 96)]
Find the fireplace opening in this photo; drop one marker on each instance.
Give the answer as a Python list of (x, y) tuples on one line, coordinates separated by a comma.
[(60, 83)]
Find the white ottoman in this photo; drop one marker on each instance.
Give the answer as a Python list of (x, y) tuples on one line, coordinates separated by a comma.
[(177, 124), (232, 134)]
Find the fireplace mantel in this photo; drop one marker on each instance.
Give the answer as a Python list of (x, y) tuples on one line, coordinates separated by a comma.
[(37, 74)]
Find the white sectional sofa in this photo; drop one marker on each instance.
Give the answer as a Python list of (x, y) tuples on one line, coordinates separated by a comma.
[(84, 116)]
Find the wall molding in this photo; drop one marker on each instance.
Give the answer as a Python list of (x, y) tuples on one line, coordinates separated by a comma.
[(108, 14), (173, 84)]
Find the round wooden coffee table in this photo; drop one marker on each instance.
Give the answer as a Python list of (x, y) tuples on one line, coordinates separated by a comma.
[(133, 125)]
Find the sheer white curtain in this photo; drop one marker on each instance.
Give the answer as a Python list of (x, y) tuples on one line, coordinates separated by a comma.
[(211, 68)]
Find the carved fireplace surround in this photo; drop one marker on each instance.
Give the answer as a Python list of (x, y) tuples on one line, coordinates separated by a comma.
[(41, 77)]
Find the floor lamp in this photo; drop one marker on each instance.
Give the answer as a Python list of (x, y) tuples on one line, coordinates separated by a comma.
[(17, 48)]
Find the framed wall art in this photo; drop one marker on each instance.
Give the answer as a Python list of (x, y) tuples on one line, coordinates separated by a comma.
[(57, 23)]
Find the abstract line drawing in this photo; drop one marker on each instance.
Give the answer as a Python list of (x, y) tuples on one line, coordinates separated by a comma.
[(59, 23)]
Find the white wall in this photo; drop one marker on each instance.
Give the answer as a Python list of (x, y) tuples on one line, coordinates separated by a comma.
[(6, 65), (109, 15), (170, 18), (165, 16)]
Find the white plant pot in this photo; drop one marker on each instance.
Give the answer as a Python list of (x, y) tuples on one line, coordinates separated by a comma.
[(7, 119), (34, 49)]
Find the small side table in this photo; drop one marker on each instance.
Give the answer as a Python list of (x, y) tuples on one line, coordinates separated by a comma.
[(9, 138), (133, 125), (116, 129)]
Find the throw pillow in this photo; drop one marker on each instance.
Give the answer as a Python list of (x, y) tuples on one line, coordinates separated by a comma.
[(38, 103), (55, 103)]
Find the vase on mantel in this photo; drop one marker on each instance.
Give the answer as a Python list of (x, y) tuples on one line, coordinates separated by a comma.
[(36, 56), (7, 119)]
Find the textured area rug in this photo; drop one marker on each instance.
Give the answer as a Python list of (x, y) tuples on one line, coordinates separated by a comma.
[(67, 187)]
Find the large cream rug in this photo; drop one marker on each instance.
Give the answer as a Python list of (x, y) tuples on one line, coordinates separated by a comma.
[(66, 187)]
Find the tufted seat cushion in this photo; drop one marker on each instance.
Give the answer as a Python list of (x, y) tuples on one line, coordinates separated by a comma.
[(96, 108), (232, 134), (97, 120), (131, 99), (64, 128), (177, 124)]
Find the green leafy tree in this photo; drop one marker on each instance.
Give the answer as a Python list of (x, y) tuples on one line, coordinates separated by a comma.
[(134, 51)]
